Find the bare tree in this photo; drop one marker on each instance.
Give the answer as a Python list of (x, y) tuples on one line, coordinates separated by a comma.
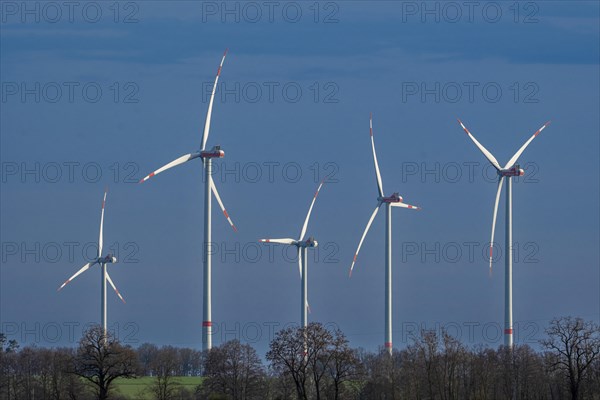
[(234, 370), (101, 359), (319, 343), (164, 364), (383, 376), (286, 356), (8, 350), (146, 354), (316, 359), (344, 364), (576, 345), (190, 362)]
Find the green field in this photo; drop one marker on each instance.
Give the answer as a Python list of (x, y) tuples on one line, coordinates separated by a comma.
[(139, 388)]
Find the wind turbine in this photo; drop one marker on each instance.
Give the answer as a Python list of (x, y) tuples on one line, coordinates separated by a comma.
[(395, 200), (102, 261), (302, 246), (510, 170), (206, 156)]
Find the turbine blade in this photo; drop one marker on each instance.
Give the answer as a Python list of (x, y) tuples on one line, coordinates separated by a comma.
[(100, 237), (114, 287), (377, 173), (76, 274), (281, 241), (210, 104), (514, 158), (303, 232), (180, 160), (216, 193), (404, 205), (485, 151), (498, 191), (308, 308), (364, 235)]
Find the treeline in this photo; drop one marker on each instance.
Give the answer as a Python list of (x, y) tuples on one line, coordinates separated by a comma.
[(312, 363)]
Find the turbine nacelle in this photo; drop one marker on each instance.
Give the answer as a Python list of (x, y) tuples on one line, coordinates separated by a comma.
[(108, 259), (310, 242), (215, 152), (514, 171), (394, 198)]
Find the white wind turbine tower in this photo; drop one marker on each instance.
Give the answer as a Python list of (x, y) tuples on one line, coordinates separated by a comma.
[(395, 200), (302, 246), (102, 261), (510, 169), (206, 156)]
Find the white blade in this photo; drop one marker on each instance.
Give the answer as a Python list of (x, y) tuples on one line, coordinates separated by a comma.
[(83, 269), (303, 232), (300, 261), (485, 151), (364, 235), (282, 241), (500, 181), (100, 238), (180, 160), (216, 193), (210, 104), (377, 173), (404, 205), (114, 287), (514, 158)]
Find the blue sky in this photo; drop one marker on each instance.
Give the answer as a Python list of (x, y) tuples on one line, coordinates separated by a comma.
[(412, 69)]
